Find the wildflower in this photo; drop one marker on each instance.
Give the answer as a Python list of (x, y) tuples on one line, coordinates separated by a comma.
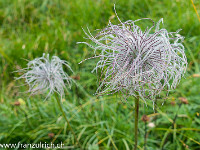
[(183, 100), (43, 74), (21, 101), (196, 75), (145, 118), (17, 103), (151, 125), (173, 103), (51, 135), (77, 77), (137, 62)]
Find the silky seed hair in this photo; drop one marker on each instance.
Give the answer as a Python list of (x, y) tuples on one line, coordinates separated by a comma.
[(135, 62), (46, 76)]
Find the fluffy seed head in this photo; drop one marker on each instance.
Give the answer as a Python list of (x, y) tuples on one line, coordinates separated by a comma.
[(44, 75), (133, 61)]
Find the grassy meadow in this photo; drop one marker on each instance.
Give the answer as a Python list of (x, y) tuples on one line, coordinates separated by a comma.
[(29, 28)]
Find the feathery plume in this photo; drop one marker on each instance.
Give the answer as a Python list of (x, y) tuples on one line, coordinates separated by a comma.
[(44, 75), (137, 62)]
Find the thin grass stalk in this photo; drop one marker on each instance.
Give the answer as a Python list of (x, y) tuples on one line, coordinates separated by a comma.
[(173, 124), (26, 116), (195, 10), (174, 120), (136, 121), (64, 115)]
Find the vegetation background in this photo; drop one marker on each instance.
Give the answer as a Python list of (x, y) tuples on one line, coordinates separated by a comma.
[(29, 28)]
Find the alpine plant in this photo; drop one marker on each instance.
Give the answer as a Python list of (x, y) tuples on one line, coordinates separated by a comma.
[(136, 62), (46, 76)]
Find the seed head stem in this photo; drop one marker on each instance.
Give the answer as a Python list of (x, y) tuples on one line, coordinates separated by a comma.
[(136, 120), (145, 135)]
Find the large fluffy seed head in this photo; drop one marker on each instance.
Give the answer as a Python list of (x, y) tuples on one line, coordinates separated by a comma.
[(135, 62), (44, 75)]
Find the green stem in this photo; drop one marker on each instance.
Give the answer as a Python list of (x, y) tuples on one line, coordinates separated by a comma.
[(155, 108), (64, 115), (145, 135), (136, 121)]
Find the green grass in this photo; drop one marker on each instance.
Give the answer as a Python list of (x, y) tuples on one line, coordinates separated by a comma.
[(32, 27)]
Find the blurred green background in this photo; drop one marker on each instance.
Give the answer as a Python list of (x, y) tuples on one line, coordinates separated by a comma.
[(29, 28)]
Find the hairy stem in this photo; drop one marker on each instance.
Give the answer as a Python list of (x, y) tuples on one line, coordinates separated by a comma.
[(155, 108), (136, 120), (64, 115), (145, 135)]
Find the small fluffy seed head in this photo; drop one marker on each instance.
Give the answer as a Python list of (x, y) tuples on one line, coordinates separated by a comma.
[(44, 75), (136, 62)]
